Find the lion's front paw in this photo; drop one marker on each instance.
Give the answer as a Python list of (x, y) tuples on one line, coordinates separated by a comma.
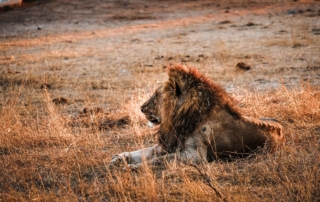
[(117, 160), (135, 167)]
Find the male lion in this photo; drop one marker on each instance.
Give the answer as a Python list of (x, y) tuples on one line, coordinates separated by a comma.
[(199, 122)]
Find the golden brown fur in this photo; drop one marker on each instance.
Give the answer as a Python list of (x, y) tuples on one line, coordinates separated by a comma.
[(199, 122), (189, 99)]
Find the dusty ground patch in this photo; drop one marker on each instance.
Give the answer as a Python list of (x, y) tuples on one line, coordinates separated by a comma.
[(107, 57)]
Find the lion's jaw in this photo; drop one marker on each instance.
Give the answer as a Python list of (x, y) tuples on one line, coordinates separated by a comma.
[(153, 120), (151, 125)]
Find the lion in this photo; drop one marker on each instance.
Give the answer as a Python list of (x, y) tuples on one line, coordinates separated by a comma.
[(199, 122)]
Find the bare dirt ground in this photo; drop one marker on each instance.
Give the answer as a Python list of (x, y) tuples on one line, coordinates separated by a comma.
[(107, 57)]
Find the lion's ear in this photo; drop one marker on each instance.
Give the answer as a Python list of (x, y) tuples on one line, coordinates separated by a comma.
[(177, 89)]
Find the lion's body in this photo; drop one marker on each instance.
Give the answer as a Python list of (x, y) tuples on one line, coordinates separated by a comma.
[(225, 137), (199, 122)]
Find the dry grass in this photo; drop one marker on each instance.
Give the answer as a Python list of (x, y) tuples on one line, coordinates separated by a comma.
[(44, 158), (109, 59)]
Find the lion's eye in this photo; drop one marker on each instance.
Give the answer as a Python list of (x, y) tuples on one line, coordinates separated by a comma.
[(204, 129)]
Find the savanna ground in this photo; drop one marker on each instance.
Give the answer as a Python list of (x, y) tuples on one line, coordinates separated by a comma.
[(103, 59)]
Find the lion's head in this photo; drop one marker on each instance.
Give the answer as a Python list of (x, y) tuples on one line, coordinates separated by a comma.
[(188, 99), (151, 108)]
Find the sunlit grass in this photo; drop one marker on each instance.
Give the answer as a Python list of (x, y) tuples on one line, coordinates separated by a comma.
[(60, 152), (43, 158)]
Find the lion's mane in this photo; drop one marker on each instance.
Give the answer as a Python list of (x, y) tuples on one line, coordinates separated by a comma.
[(189, 98)]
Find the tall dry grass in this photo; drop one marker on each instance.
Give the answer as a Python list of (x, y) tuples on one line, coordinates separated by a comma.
[(52, 152), (46, 158)]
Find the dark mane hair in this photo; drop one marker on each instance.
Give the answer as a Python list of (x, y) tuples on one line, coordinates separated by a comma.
[(188, 100)]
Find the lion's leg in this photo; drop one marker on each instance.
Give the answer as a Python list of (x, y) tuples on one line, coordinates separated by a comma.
[(188, 157), (195, 152), (138, 156)]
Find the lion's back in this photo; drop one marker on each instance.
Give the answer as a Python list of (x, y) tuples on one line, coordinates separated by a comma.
[(272, 129)]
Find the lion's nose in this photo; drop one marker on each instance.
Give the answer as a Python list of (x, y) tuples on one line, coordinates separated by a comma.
[(142, 110)]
